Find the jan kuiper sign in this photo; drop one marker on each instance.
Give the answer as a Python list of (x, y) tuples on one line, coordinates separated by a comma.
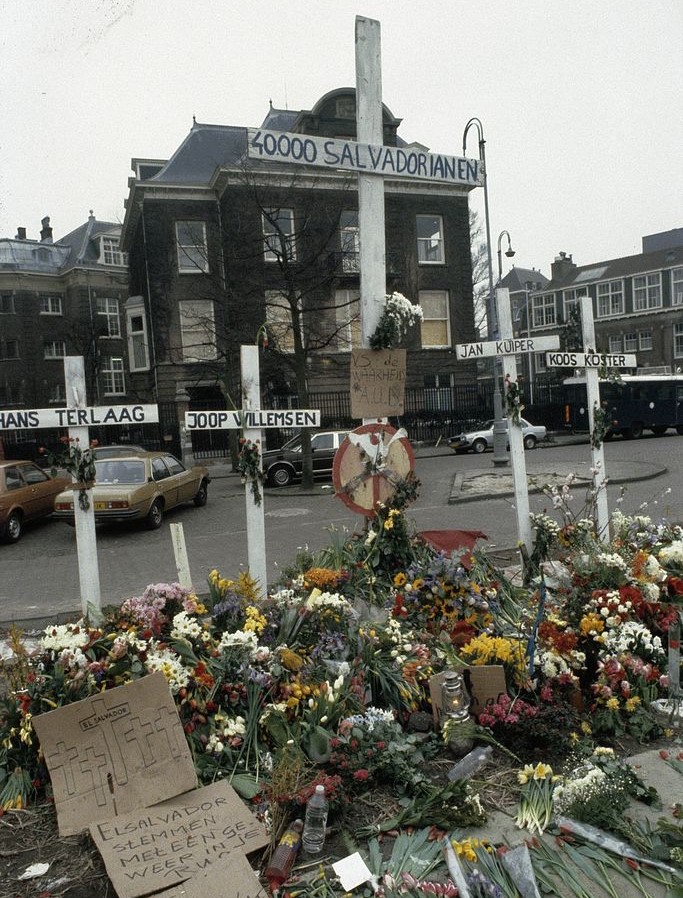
[(252, 418), (362, 158), (27, 419), (511, 346)]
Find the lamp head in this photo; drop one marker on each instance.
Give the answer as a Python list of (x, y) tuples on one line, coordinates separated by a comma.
[(509, 252)]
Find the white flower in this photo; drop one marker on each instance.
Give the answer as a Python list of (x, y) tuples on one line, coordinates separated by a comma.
[(186, 627), (169, 664), (65, 636)]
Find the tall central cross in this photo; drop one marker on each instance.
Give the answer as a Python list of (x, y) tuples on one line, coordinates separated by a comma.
[(373, 280)]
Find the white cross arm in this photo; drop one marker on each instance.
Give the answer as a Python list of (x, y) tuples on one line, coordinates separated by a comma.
[(35, 418), (590, 360), (254, 419), (362, 158), (511, 346)]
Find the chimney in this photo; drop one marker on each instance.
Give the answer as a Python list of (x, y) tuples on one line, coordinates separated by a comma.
[(561, 267), (21, 234), (46, 232)]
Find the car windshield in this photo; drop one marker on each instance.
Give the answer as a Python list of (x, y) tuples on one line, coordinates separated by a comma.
[(120, 471)]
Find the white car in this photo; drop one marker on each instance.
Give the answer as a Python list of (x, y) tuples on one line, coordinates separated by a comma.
[(482, 439)]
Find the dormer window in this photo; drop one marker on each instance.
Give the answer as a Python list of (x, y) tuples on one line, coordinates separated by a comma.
[(345, 107), (110, 253)]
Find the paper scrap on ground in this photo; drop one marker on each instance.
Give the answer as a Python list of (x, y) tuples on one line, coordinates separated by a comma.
[(352, 871), (114, 752), (165, 845), (34, 870)]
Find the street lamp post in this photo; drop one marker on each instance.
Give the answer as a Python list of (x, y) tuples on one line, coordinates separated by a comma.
[(500, 456)]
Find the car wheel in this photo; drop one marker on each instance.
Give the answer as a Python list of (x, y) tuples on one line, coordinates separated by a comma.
[(280, 475), (14, 527), (660, 430), (635, 431), (202, 495), (530, 441), (155, 515), (479, 446)]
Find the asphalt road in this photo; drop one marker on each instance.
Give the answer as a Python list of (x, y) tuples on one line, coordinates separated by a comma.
[(39, 575)]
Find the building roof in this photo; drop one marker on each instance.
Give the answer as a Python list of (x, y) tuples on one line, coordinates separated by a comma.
[(612, 269), (206, 148), (517, 279), (77, 248)]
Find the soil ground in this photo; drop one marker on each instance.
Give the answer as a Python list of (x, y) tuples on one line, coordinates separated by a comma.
[(76, 870)]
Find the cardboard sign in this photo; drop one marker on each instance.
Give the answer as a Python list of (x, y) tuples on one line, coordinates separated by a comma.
[(213, 883), (378, 382), (113, 752), (167, 844), (485, 682)]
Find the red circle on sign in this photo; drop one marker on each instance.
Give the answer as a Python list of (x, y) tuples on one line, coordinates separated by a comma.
[(369, 464)]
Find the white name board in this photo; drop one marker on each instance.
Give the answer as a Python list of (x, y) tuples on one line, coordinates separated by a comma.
[(506, 347), (590, 360), (334, 153), (27, 419), (252, 419)]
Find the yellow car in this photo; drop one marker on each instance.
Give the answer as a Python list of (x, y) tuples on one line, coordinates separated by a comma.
[(139, 487)]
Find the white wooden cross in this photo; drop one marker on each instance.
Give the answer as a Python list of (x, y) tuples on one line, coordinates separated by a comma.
[(77, 416), (507, 348), (250, 419)]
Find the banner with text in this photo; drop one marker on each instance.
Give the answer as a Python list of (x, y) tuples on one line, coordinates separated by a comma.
[(33, 418)]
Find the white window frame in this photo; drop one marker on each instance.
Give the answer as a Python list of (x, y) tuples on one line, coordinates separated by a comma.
[(137, 337), (647, 291), (56, 393), (108, 310), (279, 321), (430, 247), (54, 349), (645, 341), (544, 313), (113, 376), (677, 286), (50, 304), (570, 299), (192, 251), (272, 232), (197, 330), (110, 252), (349, 240), (7, 306), (616, 343), (678, 340), (540, 365), (631, 342), (441, 295), (349, 334), (610, 299), (4, 352)]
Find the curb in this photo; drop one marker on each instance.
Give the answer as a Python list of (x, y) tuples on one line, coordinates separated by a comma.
[(456, 496)]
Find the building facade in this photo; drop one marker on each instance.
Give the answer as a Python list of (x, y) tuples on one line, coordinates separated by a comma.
[(637, 303), (63, 298), (225, 250)]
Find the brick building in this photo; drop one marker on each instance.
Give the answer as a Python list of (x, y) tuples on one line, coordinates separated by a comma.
[(223, 248)]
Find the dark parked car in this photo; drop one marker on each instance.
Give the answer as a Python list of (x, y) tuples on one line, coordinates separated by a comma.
[(26, 493), (284, 465)]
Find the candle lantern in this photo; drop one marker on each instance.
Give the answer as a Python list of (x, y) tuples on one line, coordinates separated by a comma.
[(455, 713)]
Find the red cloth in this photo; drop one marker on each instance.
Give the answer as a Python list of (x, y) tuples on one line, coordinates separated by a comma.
[(451, 540)]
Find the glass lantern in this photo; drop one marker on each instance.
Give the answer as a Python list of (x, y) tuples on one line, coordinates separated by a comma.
[(455, 713)]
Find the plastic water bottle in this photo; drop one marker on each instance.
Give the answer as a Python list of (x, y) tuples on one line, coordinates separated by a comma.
[(315, 823)]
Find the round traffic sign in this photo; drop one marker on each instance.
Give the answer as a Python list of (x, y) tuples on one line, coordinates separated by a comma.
[(369, 465)]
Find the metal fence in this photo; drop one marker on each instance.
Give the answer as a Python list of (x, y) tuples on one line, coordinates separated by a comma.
[(430, 414)]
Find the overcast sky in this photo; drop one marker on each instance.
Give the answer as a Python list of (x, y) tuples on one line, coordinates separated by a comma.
[(580, 101)]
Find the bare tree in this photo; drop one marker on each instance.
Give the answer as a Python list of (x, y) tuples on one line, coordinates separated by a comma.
[(480, 273)]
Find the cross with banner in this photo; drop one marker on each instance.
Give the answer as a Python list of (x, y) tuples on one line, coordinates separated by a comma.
[(507, 347), (250, 419), (77, 416)]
